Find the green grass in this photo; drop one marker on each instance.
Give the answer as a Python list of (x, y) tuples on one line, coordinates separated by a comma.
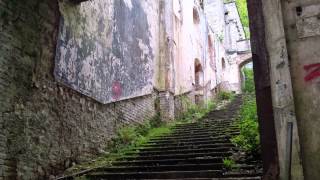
[(249, 138)]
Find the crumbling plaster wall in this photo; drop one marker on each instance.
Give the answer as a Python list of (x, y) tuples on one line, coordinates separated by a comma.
[(107, 49), (46, 126)]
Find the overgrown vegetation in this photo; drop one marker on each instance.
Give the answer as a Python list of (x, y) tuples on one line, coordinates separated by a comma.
[(243, 11), (229, 163), (223, 95), (194, 112), (249, 80), (249, 138)]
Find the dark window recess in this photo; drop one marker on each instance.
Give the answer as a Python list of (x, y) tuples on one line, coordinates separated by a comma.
[(299, 10)]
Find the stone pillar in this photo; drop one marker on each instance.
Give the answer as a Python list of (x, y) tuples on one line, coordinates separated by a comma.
[(166, 73), (166, 105)]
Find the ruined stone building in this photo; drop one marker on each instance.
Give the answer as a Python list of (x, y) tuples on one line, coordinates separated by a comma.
[(73, 72)]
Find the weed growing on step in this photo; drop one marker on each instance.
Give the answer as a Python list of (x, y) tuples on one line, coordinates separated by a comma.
[(195, 112), (248, 139), (229, 163)]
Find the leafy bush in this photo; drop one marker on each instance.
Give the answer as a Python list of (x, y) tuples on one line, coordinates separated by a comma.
[(225, 95), (249, 80), (229, 163), (194, 111), (249, 138)]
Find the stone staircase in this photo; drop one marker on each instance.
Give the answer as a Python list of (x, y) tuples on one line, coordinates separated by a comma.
[(192, 151)]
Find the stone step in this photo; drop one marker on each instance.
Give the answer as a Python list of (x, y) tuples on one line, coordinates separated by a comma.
[(173, 156), (237, 178), (187, 143), (187, 138), (200, 160), (179, 167), (200, 146), (152, 175), (203, 150), (217, 137), (211, 125), (203, 130), (191, 136)]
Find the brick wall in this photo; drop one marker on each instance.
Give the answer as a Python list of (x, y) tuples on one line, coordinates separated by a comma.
[(45, 127)]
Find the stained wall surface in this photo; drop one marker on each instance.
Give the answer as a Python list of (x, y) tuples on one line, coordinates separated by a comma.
[(106, 49)]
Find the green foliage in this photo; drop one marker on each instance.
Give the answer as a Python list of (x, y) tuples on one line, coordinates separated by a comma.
[(249, 138), (249, 80), (229, 163), (195, 112), (223, 95), (243, 11)]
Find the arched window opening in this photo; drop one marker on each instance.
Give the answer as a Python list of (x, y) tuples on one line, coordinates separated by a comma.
[(198, 74)]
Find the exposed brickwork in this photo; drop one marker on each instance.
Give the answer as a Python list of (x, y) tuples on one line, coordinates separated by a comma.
[(45, 127)]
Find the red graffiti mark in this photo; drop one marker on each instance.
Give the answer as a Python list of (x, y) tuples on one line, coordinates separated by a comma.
[(313, 71), (116, 90)]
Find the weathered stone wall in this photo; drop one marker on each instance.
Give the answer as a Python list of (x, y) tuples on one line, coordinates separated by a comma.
[(45, 127)]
